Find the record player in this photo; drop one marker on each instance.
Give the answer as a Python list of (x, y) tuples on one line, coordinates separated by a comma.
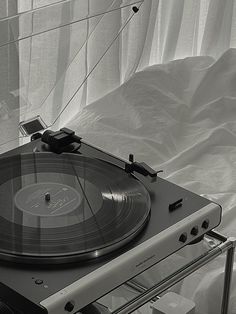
[(75, 221)]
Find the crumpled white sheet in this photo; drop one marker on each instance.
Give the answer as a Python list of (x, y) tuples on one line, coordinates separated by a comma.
[(179, 117)]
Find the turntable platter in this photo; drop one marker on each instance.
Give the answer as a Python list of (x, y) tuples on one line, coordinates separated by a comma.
[(68, 207)]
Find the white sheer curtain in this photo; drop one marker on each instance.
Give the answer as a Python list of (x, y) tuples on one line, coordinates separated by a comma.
[(165, 30), (182, 28), (162, 31)]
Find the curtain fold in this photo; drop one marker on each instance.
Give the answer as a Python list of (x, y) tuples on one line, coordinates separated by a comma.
[(219, 22), (105, 75), (185, 28), (137, 40)]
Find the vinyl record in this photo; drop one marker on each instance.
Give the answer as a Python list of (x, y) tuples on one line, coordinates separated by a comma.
[(64, 208)]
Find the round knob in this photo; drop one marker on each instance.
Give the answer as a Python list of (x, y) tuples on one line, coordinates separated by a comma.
[(69, 307), (194, 231), (183, 238), (205, 224), (39, 281)]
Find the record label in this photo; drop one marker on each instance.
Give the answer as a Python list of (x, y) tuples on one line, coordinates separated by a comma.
[(47, 199)]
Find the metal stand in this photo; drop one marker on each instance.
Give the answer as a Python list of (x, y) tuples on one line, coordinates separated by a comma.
[(228, 276), (148, 294)]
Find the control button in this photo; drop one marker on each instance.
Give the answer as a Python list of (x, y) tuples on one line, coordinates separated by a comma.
[(194, 231), (183, 238), (39, 281), (69, 307), (205, 224)]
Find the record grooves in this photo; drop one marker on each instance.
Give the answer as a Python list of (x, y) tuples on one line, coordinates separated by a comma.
[(66, 208)]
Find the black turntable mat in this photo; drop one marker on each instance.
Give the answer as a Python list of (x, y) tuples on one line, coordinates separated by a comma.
[(61, 208)]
